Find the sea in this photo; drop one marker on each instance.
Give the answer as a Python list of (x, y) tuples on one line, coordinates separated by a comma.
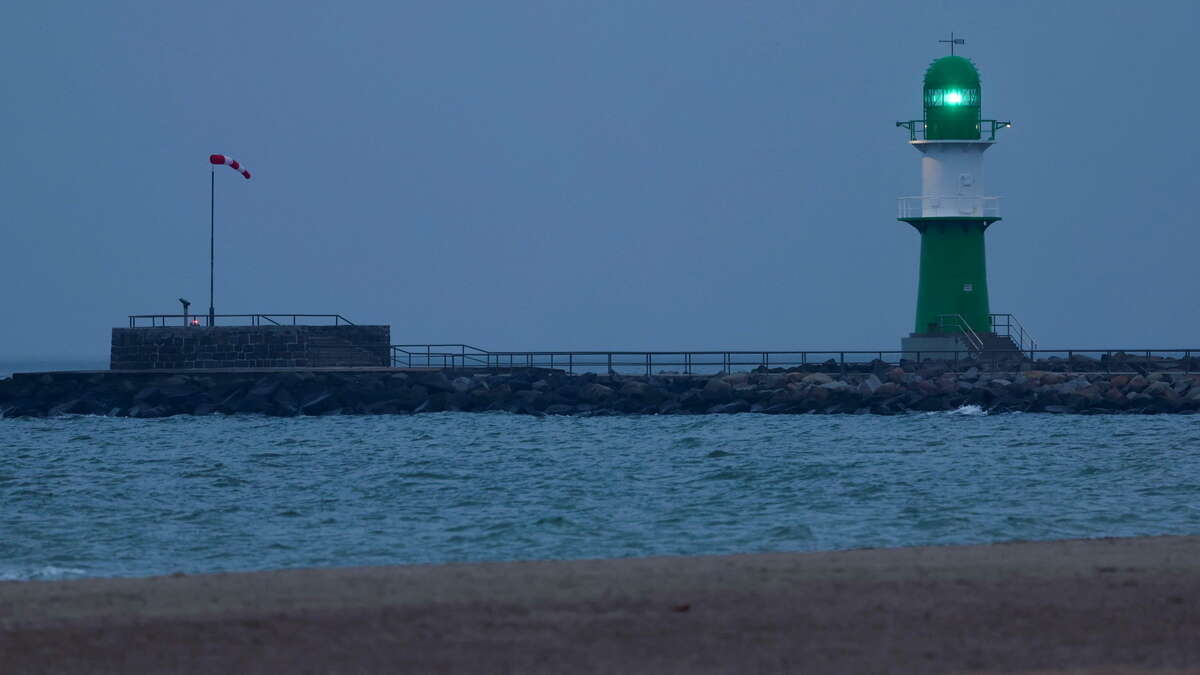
[(85, 496)]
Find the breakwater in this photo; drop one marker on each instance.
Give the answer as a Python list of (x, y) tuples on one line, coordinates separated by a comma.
[(1054, 387)]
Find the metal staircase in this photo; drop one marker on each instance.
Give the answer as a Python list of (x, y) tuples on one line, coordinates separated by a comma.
[(1007, 335)]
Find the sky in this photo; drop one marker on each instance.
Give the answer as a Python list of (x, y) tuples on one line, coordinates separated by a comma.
[(586, 175)]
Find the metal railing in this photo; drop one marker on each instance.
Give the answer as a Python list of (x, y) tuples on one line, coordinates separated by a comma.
[(156, 320), (448, 355), (987, 129), (933, 206), (1008, 326), (956, 323), (453, 356)]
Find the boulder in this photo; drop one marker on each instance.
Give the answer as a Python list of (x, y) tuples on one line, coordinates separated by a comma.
[(872, 383), (1160, 389), (888, 389), (729, 408), (634, 389), (717, 390), (816, 379), (319, 403), (436, 382), (595, 392)]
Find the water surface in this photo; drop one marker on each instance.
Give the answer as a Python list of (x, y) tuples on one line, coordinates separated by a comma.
[(98, 496)]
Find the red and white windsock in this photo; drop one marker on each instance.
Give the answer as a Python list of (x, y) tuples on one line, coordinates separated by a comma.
[(230, 162)]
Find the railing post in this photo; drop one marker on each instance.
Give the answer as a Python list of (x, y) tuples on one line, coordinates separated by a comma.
[(610, 363)]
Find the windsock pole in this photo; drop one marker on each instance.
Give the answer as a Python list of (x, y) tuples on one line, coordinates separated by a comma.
[(213, 161), (212, 200)]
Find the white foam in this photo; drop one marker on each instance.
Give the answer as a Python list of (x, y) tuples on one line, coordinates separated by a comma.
[(969, 410), (43, 573)]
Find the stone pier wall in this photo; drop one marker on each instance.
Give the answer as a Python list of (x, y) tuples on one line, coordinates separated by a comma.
[(883, 391), (177, 347)]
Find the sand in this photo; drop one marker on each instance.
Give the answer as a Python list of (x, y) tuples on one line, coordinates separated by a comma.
[(1104, 605)]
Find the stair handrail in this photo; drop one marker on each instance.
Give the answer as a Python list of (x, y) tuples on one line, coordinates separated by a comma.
[(1025, 341), (973, 339)]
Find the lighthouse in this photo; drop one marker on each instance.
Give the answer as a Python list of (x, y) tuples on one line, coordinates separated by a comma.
[(952, 213)]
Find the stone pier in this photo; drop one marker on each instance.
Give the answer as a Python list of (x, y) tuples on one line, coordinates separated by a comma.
[(185, 347)]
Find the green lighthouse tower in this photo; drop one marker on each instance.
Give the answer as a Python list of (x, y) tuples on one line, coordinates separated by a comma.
[(952, 212)]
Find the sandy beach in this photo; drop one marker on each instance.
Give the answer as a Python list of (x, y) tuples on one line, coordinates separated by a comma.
[(1106, 605)]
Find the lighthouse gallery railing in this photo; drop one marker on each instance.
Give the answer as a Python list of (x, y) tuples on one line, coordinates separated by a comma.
[(934, 206)]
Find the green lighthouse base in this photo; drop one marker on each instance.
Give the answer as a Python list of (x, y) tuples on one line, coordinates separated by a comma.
[(952, 294)]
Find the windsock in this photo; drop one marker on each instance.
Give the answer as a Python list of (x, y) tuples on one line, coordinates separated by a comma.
[(230, 162)]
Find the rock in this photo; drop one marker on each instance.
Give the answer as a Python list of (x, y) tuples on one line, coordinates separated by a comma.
[(888, 389), (559, 409), (1072, 386), (285, 402), (816, 395), (736, 379), (816, 379), (730, 408), (462, 385), (970, 375), (774, 380), (669, 407), (63, 408), (1160, 389), (1138, 383), (836, 385), (147, 412), (872, 383), (634, 389), (717, 389), (319, 403), (436, 381), (389, 406), (265, 387), (595, 392)]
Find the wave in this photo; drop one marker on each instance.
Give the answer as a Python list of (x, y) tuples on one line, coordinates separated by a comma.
[(43, 573), (968, 410)]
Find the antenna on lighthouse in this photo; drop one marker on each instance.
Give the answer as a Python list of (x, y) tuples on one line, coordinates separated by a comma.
[(953, 41)]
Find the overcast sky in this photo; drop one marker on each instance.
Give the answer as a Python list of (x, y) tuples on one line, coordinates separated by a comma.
[(521, 175)]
